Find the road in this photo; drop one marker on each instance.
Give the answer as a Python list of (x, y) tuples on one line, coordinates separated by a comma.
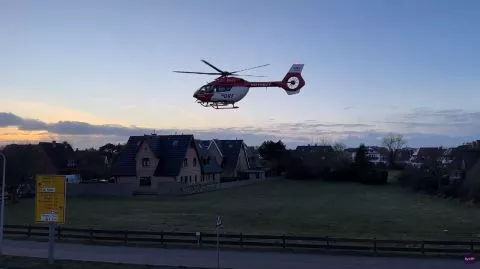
[(228, 259)]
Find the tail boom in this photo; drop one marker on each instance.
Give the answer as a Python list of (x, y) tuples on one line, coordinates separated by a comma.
[(291, 83)]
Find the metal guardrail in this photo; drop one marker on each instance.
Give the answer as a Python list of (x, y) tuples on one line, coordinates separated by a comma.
[(163, 238)]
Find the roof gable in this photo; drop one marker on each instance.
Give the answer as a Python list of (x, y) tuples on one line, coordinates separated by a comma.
[(126, 163), (230, 150), (169, 149), (59, 153), (209, 164)]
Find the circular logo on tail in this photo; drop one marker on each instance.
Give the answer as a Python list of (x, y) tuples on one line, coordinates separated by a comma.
[(293, 82)]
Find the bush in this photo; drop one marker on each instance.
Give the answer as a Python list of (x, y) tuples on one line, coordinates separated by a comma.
[(295, 169)]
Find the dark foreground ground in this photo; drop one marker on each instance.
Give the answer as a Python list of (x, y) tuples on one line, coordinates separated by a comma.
[(208, 258), (16, 262)]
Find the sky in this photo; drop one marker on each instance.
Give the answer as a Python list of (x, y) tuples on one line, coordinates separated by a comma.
[(91, 72)]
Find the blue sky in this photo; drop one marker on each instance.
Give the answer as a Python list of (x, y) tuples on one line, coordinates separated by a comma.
[(371, 67)]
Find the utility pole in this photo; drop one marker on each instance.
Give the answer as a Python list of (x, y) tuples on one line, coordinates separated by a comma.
[(2, 209)]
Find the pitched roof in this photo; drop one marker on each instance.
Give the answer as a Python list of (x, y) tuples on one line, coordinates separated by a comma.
[(202, 147), (169, 149), (125, 165), (211, 165), (230, 150), (59, 153)]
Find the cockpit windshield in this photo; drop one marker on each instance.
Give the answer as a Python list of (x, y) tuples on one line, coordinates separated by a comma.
[(206, 89)]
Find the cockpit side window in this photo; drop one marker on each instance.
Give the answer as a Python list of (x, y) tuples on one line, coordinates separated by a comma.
[(209, 89), (224, 89)]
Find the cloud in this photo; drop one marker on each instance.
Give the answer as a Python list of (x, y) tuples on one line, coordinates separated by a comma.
[(447, 121), (460, 126)]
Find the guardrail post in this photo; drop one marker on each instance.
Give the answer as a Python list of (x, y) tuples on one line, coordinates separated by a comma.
[(423, 247), (241, 240), (283, 239), (327, 242), (375, 245), (125, 238), (161, 238), (471, 246), (91, 234), (199, 239), (59, 233), (29, 230)]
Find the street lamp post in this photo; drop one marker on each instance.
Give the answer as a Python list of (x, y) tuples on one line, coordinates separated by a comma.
[(2, 209)]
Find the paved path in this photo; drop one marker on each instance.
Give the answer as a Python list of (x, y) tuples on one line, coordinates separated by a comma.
[(228, 259)]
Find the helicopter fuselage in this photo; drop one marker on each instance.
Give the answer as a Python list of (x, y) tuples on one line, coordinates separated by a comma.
[(228, 88)]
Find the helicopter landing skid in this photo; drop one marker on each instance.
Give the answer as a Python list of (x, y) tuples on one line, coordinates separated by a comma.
[(223, 106), (218, 105)]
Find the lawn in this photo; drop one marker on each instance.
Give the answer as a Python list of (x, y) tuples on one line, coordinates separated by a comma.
[(278, 207)]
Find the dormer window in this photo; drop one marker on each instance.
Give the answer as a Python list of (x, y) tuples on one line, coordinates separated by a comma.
[(194, 162), (185, 162)]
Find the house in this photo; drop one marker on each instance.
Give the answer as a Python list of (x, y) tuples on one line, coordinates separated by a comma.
[(26, 161), (59, 158), (426, 157), (234, 157), (254, 158), (403, 156), (464, 163), (151, 160), (376, 155), (210, 158)]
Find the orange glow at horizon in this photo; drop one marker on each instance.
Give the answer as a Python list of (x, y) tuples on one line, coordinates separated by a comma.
[(14, 135)]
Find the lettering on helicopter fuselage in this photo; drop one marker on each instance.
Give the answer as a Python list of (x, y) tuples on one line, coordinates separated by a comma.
[(260, 84), (227, 95)]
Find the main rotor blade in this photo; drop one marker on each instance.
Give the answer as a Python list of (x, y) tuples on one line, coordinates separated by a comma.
[(247, 76), (212, 66), (201, 73), (249, 68)]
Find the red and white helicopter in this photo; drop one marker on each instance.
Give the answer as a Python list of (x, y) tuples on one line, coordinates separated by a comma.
[(228, 89)]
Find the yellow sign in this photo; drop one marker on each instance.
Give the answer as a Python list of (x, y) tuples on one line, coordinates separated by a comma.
[(50, 199)]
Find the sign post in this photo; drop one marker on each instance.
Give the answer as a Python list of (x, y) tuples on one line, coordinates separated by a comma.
[(50, 200), (218, 226)]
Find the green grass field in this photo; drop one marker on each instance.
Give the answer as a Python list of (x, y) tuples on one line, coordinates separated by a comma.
[(278, 207)]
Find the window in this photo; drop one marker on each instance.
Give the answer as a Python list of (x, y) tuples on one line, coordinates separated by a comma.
[(190, 179), (145, 181), (194, 162), (71, 163), (209, 89), (195, 178), (224, 89), (185, 162), (145, 162)]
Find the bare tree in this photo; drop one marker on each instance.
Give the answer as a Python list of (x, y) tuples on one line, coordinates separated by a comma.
[(339, 147), (394, 143)]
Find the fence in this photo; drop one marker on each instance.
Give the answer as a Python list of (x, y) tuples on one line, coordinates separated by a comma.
[(162, 238)]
